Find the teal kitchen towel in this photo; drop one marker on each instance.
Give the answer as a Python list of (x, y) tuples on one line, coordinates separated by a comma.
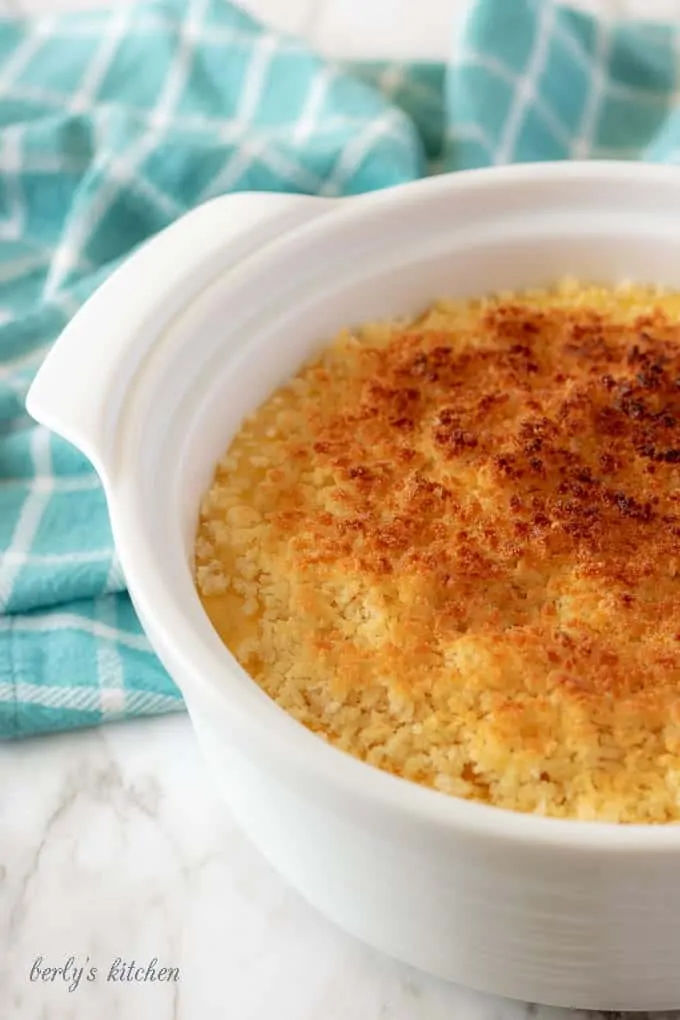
[(112, 124)]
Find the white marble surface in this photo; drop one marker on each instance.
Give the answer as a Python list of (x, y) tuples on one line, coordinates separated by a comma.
[(113, 843)]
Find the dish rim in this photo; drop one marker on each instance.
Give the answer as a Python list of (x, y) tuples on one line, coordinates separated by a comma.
[(318, 766)]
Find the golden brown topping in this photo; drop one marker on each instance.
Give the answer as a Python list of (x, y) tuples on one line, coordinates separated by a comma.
[(453, 549)]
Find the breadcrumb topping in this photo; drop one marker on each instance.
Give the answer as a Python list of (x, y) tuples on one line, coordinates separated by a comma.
[(451, 547)]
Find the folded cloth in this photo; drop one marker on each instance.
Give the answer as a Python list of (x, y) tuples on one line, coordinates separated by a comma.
[(112, 124)]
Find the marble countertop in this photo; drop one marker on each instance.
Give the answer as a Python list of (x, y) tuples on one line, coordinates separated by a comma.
[(115, 846), (119, 863)]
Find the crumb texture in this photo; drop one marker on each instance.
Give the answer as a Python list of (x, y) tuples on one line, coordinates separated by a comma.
[(451, 547)]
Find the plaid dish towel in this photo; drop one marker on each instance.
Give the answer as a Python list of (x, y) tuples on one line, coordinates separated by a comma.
[(112, 124)]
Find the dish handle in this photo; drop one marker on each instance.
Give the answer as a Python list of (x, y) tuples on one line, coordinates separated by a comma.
[(82, 381)]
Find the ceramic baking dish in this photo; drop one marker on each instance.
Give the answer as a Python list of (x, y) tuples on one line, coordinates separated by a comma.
[(151, 379)]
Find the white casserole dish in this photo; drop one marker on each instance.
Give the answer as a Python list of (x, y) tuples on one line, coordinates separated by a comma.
[(151, 379)]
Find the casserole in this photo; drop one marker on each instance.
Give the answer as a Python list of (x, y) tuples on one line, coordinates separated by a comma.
[(193, 332)]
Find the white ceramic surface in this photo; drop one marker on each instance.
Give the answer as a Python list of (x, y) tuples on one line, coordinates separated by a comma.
[(566, 913)]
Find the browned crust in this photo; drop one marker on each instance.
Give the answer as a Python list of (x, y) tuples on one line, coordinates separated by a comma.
[(457, 543)]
